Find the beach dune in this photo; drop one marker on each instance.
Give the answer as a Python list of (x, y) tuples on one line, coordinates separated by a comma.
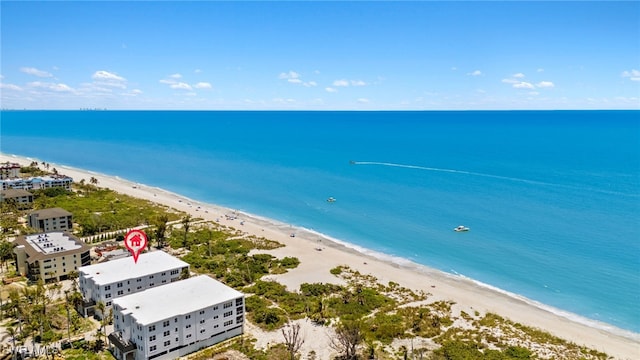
[(319, 254)]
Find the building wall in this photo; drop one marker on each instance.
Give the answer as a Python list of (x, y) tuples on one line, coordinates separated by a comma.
[(107, 292), (9, 170), (60, 223), (36, 183), (181, 334), (50, 268)]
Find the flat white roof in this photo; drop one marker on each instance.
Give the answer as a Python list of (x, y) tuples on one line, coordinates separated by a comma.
[(174, 299), (53, 242), (122, 269)]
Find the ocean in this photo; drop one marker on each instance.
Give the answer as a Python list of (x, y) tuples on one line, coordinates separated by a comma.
[(552, 198)]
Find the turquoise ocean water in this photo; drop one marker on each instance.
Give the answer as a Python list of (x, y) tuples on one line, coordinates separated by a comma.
[(552, 197)]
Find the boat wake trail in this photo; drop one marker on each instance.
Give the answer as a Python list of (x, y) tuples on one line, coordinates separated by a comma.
[(453, 171), (532, 182)]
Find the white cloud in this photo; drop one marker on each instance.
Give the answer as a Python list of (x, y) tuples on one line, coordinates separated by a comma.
[(136, 91), (105, 75), (50, 86), (168, 81), (453, 68), (358, 83), (35, 72), (475, 73), (363, 100), (289, 75), (518, 75), (176, 76), (510, 81), (197, 71), (540, 70), (330, 89), (202, 85), (181, 86), (294, 78), (633, 75), (105, 78), (523, 85), (545, 84), (341, 83), (10, 87)]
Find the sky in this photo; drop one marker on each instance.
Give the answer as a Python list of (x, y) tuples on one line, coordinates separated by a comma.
[(320, 55)]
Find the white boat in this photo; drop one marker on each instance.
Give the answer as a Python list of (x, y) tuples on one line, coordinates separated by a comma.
[(461, 228), (331, 199)]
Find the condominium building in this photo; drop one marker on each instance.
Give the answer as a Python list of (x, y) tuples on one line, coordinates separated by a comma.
[(109, 280), (36, 183), (53, 219), (21, 198), (50, 256), (9, 170), (174, 320)]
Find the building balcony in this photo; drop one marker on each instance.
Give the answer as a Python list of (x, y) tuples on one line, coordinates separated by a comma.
[(124, 345)]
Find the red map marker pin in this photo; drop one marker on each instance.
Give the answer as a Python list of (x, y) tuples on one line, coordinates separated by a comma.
[(135, 241)]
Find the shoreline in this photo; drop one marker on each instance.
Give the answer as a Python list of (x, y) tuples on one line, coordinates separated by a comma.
[(468, 294)]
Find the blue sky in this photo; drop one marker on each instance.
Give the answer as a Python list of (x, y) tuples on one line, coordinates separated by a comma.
[(320, 55)]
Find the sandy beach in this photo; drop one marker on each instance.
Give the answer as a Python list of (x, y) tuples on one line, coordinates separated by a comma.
[(319, 254)]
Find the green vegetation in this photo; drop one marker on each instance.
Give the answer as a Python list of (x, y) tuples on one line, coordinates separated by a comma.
[(101, 209)]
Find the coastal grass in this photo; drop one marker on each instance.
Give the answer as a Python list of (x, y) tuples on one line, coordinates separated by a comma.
[(101, 209)]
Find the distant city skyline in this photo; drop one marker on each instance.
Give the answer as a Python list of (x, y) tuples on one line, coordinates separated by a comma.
[(210, 55)]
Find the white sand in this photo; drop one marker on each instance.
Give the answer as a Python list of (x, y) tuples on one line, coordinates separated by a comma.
[(315, 266)]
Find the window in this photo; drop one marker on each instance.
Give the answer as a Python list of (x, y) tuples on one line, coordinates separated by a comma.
[(215, 307), (202, 321), (238, 301), (188, 326), (153, 348), (227, 323), (228, 313), (201, 312), (167, 343), (152, 328), (165, 323), (139, 287), (188, 317), (239, 319), (107, 296), (152, 338), (215, 317), (201, 331), (119, 285), (164, 281), (228, 304), (138, 280), (174, 272), (164, 273), (188, 336), (176, 339), (150, 276), (120, 292), (150, 285), (108, 303), (216, 326), (166, 333), (108, 287)]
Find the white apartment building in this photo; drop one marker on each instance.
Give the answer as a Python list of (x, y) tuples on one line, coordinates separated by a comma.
[(174, 320), (48, 256), (39, 182), (112, 279), (9, 170)]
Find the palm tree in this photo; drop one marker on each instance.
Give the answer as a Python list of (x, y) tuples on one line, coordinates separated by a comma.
[(100, 306), (93, 181), (186, 223), (161, 228)]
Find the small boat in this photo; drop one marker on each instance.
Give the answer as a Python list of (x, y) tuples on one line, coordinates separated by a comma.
[(461, 228), (331, 199)]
